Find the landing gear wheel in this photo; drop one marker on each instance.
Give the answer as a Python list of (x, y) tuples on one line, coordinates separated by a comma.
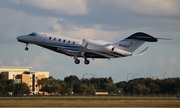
[(26, 48), (77, 61), (86, 62)]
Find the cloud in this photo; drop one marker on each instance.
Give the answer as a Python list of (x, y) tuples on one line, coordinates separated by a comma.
[(16, 62), (167, 64), (24, 23), (72, 7), (173, 61), (41, 61), (160, 61), (93, 32), (18, 23), (151, 7)]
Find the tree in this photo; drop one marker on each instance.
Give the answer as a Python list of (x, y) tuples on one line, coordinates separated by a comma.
[(80, 88), (110, 87), (50, 85), (70, 81), (154, 88), (91, 89), (6, 86), (177, 85), (141, 89), (167, 85), (63, 86), (21, 88)]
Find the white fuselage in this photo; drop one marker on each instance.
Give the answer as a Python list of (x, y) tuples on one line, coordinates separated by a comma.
[(69, 46), (87, 48)]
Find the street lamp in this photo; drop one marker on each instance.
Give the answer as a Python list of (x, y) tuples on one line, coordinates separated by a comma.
[(164, 74), (84, 74), (94, 75), (134, 84), (127, 81), (127, 76), (134, 75)]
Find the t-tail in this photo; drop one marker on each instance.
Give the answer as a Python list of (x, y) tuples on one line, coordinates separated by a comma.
[(134, 41)]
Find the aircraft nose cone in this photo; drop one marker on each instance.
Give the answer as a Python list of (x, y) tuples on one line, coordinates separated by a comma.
[(21, 38), (17, 38)]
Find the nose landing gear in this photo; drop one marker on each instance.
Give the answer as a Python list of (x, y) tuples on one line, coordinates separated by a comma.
[(26, 48)]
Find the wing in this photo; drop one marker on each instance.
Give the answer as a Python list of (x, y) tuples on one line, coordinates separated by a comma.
[(76, 52)]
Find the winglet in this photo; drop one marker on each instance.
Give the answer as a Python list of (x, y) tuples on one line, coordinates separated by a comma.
[(142, 52)]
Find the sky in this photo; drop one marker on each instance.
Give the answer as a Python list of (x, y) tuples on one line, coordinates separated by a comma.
[(109, 20)]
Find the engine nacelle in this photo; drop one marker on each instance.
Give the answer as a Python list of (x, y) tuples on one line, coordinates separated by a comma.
[(98, 45), (102, 46), (122, 52)]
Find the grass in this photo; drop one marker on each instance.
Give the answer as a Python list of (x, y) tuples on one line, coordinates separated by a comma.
[(74, 102)]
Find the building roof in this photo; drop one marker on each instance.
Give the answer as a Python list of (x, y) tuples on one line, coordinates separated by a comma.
[(15, 67)]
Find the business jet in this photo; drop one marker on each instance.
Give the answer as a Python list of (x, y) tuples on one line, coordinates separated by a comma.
[(88, 48)]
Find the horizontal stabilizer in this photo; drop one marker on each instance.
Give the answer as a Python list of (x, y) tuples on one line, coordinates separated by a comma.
[(164, 38)]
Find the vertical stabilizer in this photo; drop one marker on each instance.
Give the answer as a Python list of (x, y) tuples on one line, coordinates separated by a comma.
[(134, 41)]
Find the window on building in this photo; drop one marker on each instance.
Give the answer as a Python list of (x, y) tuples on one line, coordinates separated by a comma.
[(59, 40), (30, 85), (54, 38), (73, 42), (36, 77), (30, 76), (49, 38), (68, 41)]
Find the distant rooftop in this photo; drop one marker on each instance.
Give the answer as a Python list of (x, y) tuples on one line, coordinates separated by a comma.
[(15, 67)]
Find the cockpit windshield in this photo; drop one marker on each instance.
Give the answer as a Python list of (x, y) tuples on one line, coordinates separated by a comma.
[(32, 34)]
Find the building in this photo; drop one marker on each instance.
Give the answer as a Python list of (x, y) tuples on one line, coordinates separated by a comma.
[(23, 74)]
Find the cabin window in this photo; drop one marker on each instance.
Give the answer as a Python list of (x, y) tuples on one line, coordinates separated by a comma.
[(32, 34), (73, 42), (64, 40), (59, 40), (68, 41), (54, 38), (49, 38)]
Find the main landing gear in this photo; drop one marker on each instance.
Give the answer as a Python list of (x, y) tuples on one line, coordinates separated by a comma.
[(26, 48), (77, 61)]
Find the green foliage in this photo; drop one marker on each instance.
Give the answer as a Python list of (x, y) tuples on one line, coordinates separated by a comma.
[(21, 88), (141, 89), (80, 88), (88, 86), (168, 85), (154, 88), (91, 89), (51, 85), (110, 87), (6, 86)]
